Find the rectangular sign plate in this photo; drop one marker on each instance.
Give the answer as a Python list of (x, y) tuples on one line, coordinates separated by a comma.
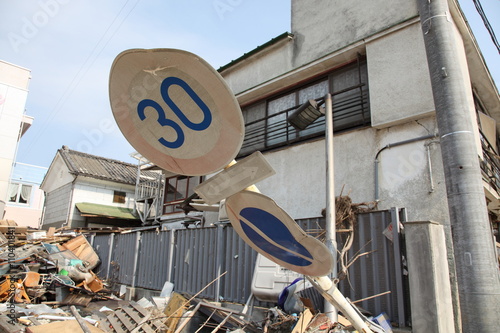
[(237, 177)]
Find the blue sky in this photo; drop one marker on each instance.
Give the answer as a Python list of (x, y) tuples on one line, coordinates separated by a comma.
[(69, 46)]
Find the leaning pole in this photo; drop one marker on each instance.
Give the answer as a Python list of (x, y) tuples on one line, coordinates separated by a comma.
[(476, 262)]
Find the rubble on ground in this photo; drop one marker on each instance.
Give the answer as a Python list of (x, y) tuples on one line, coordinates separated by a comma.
[(47, 284)]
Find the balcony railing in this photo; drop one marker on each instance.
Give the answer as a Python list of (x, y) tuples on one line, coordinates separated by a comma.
[(490, 165)]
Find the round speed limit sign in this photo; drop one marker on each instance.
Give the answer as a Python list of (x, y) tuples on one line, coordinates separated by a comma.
[(175, 110)]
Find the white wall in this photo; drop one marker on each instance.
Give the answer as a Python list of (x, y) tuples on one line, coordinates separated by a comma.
[(57, 176), (101, 192), (404, 180), (14, 82)]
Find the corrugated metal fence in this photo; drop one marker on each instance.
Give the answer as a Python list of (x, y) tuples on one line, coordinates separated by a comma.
[(192, 258)]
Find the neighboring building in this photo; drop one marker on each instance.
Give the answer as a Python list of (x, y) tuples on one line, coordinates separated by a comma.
[(84, 190), (370, 55), (14, 81), (25, 198)]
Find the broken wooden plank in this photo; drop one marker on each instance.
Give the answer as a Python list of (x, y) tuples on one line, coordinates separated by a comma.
[(174, 310), (77, 299), (81, 322), (115, 323), (83, 250), (132, 314), (139, 309), (188, 318), (9, 326), (304, 320), (125, 320), (66, 326)]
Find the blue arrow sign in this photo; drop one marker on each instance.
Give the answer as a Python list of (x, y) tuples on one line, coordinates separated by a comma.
[(277, 239), (269, 230)]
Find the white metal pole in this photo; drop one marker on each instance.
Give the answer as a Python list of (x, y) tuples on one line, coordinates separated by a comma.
[(330, 241)]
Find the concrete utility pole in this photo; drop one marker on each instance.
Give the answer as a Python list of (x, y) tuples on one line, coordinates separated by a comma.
[(476, 262)]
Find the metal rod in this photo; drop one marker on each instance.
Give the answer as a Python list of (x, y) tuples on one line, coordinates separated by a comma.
[(330, 240), (136, 257), (111, 244), (429, 164), (370, 297), (332, 295)]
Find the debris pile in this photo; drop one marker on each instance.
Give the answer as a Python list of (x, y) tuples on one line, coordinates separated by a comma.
[(47, 284)]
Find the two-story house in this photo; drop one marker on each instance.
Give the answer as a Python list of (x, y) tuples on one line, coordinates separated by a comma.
[(84, 190)]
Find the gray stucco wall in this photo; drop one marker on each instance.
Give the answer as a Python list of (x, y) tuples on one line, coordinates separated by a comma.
[(404, 172), (323, 26), (400, 86)]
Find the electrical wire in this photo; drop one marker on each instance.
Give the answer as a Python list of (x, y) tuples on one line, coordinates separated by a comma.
[(84, 68), (481, 12)]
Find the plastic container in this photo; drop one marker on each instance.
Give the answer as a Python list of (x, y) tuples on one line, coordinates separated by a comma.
[(269, 279)]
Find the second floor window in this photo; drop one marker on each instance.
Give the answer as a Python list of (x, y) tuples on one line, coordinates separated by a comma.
[(119, 197), (266, 125), (20, 193), (177, 189)]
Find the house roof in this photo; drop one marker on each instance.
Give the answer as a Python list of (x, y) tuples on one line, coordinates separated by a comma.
[(82, 164), (283, 36)]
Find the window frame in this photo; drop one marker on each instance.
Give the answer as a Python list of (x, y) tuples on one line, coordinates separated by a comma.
[(351, 109), (182, 188), (19, 195), (119, 197)]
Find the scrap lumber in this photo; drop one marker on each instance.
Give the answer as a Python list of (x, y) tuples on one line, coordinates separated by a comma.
[(174, 310), (304, 320), (7, 326), (83, 250), (66, 326), (132, 318), (81, 322)]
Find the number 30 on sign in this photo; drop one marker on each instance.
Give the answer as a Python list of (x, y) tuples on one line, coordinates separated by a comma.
[(175, 110)]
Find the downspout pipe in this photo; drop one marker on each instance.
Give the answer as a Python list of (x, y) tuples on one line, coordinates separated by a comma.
[(71, 206), (391, 145)]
